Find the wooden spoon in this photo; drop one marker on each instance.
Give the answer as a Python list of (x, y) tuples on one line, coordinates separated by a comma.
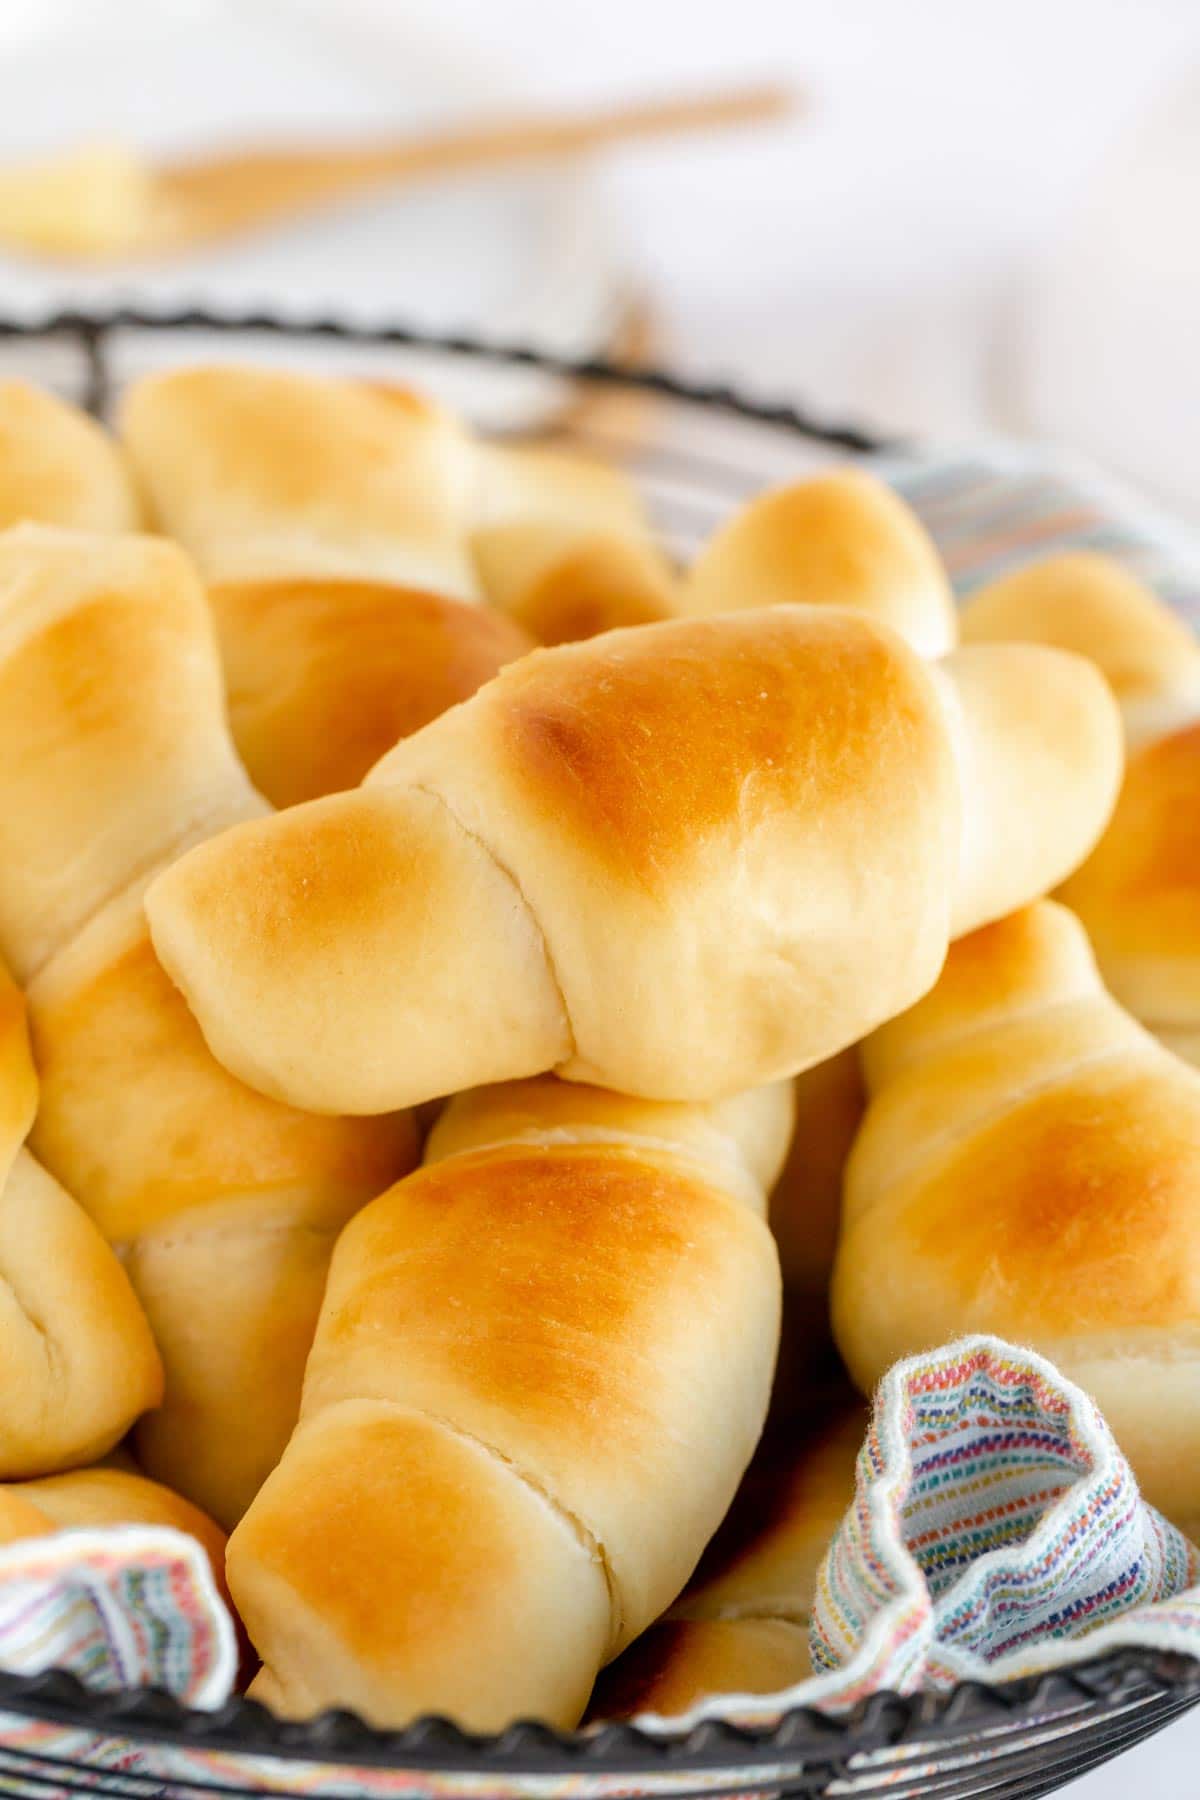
[(101, 201)]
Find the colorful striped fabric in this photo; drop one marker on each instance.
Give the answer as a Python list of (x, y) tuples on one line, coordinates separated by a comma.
[(128, 1606), (995, 1524), (996, 1530), (992, 509)]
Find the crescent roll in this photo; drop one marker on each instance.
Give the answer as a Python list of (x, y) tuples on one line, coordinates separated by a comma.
[(58, 467), (222, 1205), (563, 545), (542, 1365), (266, 475), (842, 539), (330, 520), (1139, 891), (325, 676), (678, 860), (741, 1626), (77, 1361), (1028, 1166)]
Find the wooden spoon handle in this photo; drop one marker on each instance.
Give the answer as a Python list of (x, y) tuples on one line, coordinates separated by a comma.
[(567, 134), (249, 185)]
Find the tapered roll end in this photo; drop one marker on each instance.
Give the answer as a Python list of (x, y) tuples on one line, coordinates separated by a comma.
[(842, 539), (1039, 743), (358, 954)]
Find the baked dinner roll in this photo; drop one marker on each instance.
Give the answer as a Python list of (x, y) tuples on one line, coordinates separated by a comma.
[(1083, 601), (266, 475), (330, 519), (1139, 891), (563, 545), (102, 1496), (325, 676), (77, 1361), (58, 467), (1029, 1165), (541, 1368), (223, 1206), (677, 860), (842, 539), (806, 1202), (741, 1626)]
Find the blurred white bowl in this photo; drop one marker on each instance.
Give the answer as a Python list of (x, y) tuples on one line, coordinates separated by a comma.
[(1110, 362)]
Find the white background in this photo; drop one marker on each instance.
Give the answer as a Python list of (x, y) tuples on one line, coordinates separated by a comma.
[(869, 257)]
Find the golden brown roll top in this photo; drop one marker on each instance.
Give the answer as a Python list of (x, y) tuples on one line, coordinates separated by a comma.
[(842, 539), (563, 546), (675, 861), (58, 467), (986, 982), (77, 1360), (325, 676), (1139, 891), (223, 1205), (113, 748), (741, 1626), (1091, 604), (540, 1370), (1038, 745), (263, 474), (1028, 1166), (330, 519), (659, 813)]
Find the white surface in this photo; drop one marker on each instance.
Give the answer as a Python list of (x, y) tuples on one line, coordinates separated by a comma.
[(877, 259), (1112, 357), (521, 253)]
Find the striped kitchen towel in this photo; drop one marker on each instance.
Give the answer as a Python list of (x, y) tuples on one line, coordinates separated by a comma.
[(996, 1531), (124, 1607), (995, 507), (995, 1524)]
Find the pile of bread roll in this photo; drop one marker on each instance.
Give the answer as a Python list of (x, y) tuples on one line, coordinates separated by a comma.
[(424, 1048)]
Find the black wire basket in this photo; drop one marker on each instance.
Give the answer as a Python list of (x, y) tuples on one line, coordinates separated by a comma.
[(695, 451)]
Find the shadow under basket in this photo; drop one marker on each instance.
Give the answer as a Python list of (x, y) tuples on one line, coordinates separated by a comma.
[(695, 452)]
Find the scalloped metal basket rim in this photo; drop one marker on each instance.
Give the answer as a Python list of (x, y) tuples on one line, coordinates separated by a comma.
[(91, 328), (801, 1735)]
